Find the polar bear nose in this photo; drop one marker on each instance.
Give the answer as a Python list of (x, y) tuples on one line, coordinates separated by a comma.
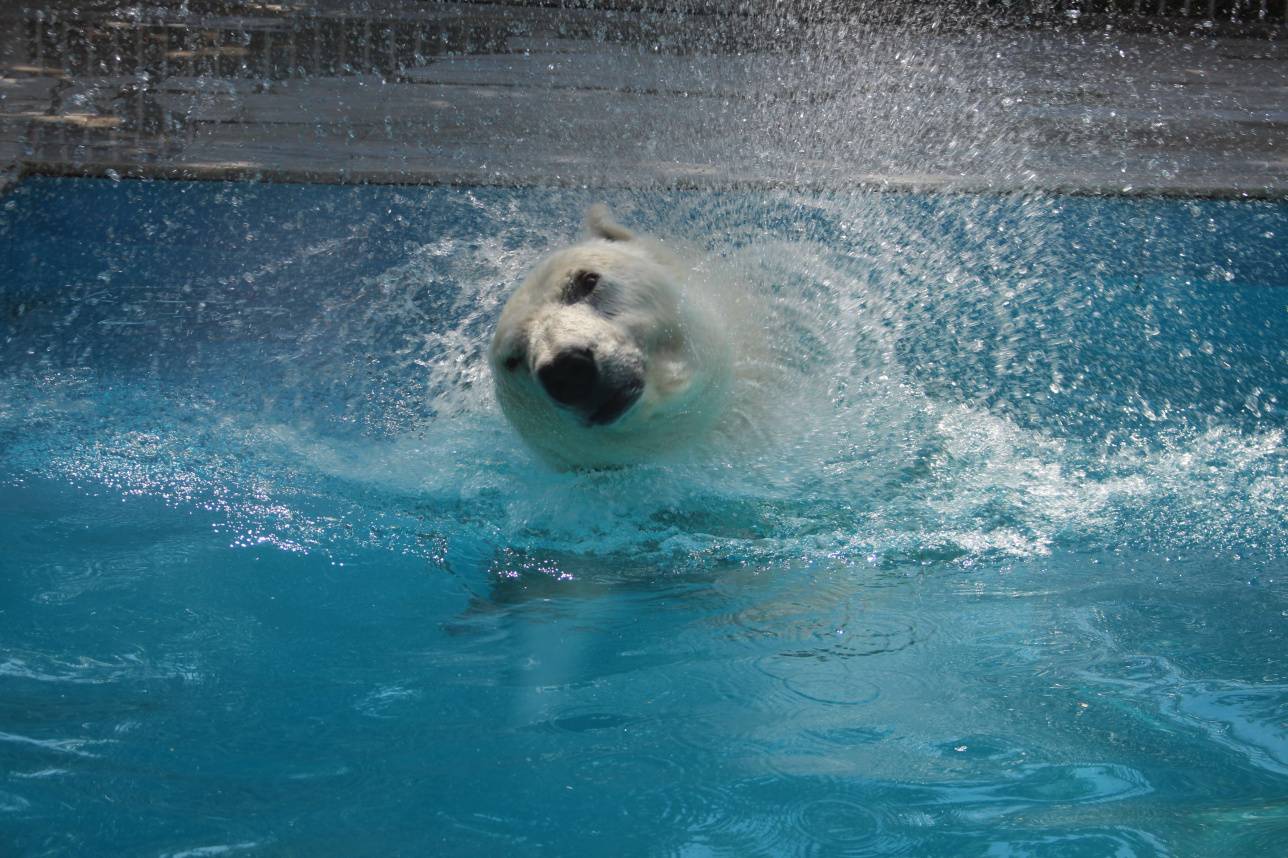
[(570, 376)]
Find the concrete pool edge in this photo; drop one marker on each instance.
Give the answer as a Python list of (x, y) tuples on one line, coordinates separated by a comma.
[(12, 175)]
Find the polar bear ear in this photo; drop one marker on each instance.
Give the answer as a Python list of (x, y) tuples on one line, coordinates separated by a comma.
[(600, 224)]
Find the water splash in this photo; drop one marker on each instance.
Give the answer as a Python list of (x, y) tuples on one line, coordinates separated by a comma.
[(950, 380)]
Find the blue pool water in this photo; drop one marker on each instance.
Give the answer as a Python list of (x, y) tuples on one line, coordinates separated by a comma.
[(1000, 569)]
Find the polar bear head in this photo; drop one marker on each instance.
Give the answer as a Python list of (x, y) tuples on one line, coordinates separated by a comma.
[(607, 355)]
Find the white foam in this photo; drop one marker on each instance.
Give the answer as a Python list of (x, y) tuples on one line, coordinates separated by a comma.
[(851, 459)]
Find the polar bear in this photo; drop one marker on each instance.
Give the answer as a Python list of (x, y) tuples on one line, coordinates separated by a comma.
[(611, 352)]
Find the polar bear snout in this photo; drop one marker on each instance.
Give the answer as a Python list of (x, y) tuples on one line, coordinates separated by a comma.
[(574, 379), (570, 377)]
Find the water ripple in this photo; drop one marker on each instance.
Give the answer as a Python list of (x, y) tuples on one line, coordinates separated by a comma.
[(1248, 719), (820, 679), (839, 827), (218, 849), (73, 747), (1037, 784)]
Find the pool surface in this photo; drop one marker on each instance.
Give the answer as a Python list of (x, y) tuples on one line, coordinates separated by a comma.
[(1001, 568)]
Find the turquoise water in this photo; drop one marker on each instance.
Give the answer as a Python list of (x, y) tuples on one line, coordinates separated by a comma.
[(997, 569)]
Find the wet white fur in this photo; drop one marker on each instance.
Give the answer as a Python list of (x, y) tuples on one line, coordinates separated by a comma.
[(661, 321)]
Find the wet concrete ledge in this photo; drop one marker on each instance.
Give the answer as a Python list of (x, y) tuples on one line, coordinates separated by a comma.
[(855, 182), (493, 94)]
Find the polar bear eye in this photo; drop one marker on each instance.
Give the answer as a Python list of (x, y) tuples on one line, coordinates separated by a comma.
[(580, 287), (512, 362)]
